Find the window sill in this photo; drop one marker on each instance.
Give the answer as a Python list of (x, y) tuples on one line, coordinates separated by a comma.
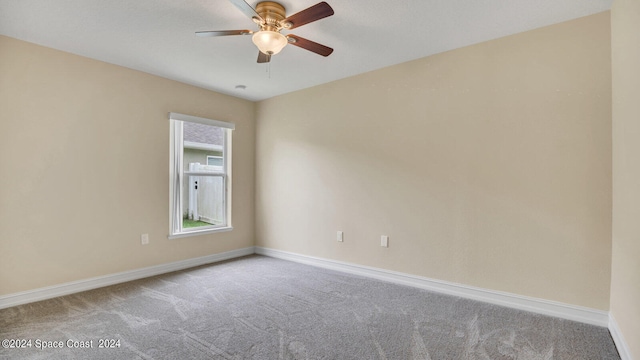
[(197, 233)]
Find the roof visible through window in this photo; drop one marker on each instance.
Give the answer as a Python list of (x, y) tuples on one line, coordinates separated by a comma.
[(204, 134)]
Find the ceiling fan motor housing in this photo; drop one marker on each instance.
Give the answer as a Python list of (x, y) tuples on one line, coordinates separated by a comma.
[(272, 13)]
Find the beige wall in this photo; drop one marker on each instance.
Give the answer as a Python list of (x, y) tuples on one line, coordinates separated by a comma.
[(488, 166), (84, 155), (625, 279)]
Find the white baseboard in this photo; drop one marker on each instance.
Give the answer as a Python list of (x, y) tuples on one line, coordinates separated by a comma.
[(540, 306), (101, 281), (621, 344)]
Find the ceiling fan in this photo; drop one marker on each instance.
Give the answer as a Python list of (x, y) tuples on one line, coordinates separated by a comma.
[(271, 18)]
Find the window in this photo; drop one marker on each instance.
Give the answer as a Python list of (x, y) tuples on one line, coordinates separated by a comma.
[(200, 169), (215, 160)]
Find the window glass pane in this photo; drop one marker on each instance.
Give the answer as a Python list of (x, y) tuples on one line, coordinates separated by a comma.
[(215, 160), (200, 143), (203, 134), (204, 202)]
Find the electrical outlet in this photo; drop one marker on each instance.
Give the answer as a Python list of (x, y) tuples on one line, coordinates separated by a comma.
[(144, 239), (384, 241), (340, 236)]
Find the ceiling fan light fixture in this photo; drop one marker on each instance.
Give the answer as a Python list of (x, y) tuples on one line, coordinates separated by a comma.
[(269, 42)]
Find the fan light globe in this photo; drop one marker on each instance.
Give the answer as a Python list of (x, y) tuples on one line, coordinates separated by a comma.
[(269, 42)]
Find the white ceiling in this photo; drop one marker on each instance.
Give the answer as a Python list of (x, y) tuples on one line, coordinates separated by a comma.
[(157, 36)]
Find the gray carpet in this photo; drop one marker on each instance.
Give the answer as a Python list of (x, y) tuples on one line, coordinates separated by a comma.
[(264, 308)]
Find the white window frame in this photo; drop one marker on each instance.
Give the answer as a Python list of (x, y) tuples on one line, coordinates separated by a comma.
[(178, 176)]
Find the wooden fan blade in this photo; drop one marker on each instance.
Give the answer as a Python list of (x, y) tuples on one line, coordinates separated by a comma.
[(223, 33), (246, 9), (310, 45), (316, 12), (263, 58)]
